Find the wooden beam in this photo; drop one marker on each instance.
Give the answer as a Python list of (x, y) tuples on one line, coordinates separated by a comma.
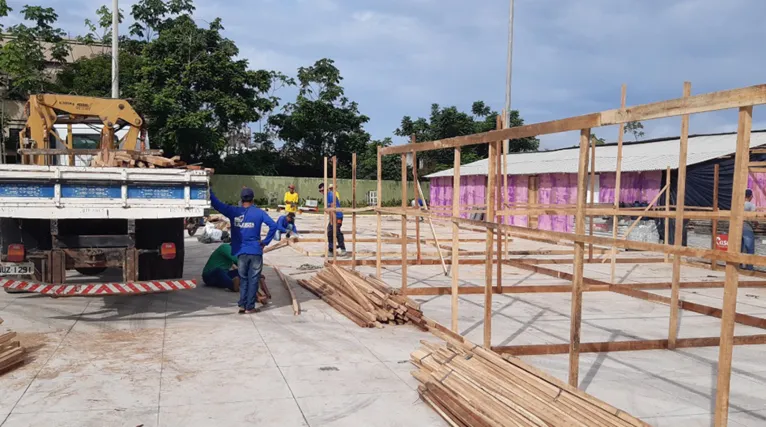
[(592, 182), (499, 200), (404, 225), (617, 184), (735, 98), (353, 206), (333, 214), (577, 280), (667, 211), (326, 213), (398, 262), (504, 199), (455, 240), (379, 197), (714, 229), (490, 216), (678, 230), (609, 346), (530, 289), (741, 161), (415, 184)]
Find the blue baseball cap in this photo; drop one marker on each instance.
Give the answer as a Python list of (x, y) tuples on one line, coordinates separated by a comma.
[(247, 194), (748, 193)]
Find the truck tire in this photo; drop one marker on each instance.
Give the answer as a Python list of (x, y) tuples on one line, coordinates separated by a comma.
[(150, 234), (91, 271)]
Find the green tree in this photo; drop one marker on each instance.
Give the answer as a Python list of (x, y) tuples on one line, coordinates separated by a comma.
[(191, 86), (450, 122), (367, 162), (321, 121), (598, 141), (100, 31), (636, 128), (28, 48), (92, 76)]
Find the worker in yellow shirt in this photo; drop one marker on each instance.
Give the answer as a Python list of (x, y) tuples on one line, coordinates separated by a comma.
[(291, 199)]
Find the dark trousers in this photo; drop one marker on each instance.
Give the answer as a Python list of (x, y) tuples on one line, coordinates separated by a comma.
[(220, 278), (341, 244), (250, 267)]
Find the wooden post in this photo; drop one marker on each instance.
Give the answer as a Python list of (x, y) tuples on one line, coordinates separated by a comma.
[(617, 183), (455, 238), (741, 162), (353, 214), (714, 228), (678, 231), (70, 143), (490, 215), (497, 194), (417, 197), (505, 183), (327, 214), (380, 224), (334, 215), (579, 253), (667, 211), (592, 193), (404, 224)]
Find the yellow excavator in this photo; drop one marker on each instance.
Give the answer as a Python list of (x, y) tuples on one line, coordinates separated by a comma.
[(38, 138)]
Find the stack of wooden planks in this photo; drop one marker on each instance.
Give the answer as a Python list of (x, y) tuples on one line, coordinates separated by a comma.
[(365, 300), (138, 159), (472, 386), (11, 351)]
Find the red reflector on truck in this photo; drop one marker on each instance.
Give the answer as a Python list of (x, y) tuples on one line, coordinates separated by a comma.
[(16, 253), (168, 251)]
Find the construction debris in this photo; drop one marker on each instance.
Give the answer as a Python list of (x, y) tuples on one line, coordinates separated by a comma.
[(365, 300), (472, 386), (11, 351)]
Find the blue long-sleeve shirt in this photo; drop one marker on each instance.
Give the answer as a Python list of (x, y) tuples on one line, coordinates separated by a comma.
[(246, 227), (282, 225), (329, 202)]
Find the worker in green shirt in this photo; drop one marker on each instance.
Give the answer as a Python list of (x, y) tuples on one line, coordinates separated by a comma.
[(221, 269)]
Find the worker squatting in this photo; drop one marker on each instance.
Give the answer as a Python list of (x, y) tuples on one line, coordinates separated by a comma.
[(240, 264)]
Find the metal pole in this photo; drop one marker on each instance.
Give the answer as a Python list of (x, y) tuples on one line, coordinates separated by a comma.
[(115, 50), (508, 74)]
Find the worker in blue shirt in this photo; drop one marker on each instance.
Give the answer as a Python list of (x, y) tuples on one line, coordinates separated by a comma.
[(331, 200), (286, 224), (246, 221)]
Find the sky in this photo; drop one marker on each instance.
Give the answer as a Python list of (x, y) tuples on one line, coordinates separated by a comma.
[(570, 57)]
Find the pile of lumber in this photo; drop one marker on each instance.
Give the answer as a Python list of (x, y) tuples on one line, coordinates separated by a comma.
[(365, 300), (138, 159), (11, 351), (472, 386)]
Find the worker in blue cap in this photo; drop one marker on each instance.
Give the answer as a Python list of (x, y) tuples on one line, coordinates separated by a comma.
[(748, 235), (246, 243)]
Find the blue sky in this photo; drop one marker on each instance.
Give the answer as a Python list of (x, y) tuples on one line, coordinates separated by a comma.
[(570, 57)]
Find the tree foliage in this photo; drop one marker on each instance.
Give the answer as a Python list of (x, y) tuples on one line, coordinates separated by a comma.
[(636, 128), (450, 122), (28, 47)]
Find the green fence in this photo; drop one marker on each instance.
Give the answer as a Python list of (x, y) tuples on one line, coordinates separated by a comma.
[(270, 190)]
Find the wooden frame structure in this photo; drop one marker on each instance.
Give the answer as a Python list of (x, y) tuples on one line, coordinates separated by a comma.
[(742, 99)]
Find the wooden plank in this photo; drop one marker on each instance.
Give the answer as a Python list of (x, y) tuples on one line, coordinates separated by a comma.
[(667, 211), (497, 193), (714, 230), (592, 182), (294, 301), (609, 346), (519, 289), (722, 100), (333, 214), (404, 224), (617, 185), (326, 213), (678, 230), (353, 206), (455, 240), (380, 223), (577, 281), (741, 160), (415, 184), (490, 197)]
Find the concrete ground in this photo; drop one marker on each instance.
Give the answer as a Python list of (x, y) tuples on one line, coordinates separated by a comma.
[(185, 358)]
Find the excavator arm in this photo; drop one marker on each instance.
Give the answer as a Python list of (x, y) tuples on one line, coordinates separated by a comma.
[(43, 111)]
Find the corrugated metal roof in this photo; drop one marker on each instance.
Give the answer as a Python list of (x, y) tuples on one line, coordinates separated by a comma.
[(640, 156)]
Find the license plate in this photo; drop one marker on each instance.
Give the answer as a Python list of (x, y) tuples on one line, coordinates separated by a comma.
[(17, 269)]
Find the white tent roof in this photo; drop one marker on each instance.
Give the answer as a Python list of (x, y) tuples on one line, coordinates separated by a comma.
[(640, 156)]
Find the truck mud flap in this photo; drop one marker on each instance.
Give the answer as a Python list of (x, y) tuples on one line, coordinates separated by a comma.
[(98, 289)]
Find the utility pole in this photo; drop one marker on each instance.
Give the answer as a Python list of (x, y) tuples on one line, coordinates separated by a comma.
[(115, 50), (509, 70)]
